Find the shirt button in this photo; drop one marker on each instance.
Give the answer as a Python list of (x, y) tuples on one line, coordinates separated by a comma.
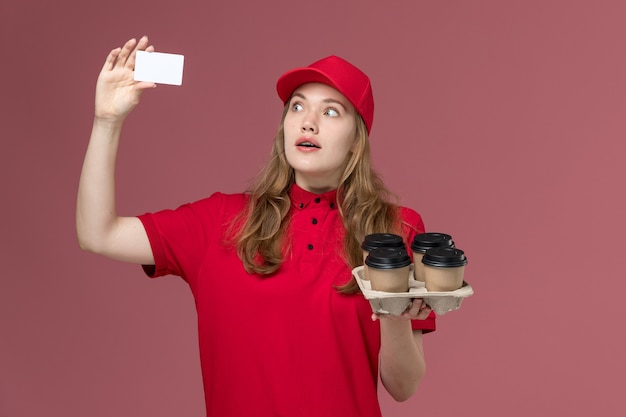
[(332, 205), (314, 221), (310, 247), (317, 200)]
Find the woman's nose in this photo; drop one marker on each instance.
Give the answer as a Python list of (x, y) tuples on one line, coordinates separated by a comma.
[(309, 125)]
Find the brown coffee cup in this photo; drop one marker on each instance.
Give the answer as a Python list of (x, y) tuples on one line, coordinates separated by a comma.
[(421, 243), (444, 269), (379, 240), (388, 269)]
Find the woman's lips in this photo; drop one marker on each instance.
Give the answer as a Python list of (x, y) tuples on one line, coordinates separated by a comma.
[(307, 143)]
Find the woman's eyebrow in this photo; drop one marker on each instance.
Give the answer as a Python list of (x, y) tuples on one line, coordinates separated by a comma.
[(333, 101), (327, 100)]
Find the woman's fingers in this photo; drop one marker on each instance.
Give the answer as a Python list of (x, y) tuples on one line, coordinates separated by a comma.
[(125, 56), (127, 50), (424, 310), (419, 310), (416, 306), (110, 61), (141, 46), (144, 85), (143, 43)]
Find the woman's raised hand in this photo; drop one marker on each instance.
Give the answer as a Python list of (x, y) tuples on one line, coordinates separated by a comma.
[(117, 93)]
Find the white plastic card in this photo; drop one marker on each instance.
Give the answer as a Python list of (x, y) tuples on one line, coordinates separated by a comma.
[(159, 67)]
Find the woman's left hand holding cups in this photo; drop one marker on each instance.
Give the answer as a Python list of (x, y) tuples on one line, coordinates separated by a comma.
[(417, 310)]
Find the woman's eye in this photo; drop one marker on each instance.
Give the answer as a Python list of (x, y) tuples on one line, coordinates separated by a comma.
[(332, 113), (296, 106)]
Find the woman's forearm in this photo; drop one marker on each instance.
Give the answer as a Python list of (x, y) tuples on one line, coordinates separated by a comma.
[(96, 212), (402, 364)]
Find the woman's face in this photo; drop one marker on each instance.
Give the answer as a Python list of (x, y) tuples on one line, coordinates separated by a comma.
[(320, 131)]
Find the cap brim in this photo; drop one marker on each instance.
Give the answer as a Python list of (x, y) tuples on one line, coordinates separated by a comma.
[(293, 79)]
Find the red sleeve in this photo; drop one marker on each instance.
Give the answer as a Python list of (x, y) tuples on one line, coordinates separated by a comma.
[(412, 224), (179, 238), (429, 324), (176, 238)]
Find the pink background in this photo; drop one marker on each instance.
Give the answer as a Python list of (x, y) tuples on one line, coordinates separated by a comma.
[(501, 122)]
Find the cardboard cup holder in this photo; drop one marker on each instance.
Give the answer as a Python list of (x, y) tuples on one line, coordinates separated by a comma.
[(395, 303)]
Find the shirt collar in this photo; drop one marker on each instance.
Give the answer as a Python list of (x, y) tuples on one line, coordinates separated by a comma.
[(301, 198)]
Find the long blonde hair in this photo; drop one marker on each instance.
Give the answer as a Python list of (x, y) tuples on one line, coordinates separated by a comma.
[(364, 205)]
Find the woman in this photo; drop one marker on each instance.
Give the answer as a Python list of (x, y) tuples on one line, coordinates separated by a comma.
[(282, 328)]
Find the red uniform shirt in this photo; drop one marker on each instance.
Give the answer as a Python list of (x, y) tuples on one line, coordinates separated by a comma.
[(282, 345)]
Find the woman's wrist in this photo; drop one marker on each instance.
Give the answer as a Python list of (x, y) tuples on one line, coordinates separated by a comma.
[(108, 122), (396, 326), (107, 126)]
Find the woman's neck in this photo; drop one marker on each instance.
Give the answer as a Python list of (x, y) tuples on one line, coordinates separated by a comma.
[(315, 186)]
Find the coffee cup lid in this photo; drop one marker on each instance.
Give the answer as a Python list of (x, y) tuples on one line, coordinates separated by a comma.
[(382, 240), (387, 258), (444, 257), (425, 241)]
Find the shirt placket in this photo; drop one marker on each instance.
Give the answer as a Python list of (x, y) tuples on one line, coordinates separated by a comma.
[(315, 236)]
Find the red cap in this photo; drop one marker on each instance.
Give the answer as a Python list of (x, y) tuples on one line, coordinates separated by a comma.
[(337, 73)]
